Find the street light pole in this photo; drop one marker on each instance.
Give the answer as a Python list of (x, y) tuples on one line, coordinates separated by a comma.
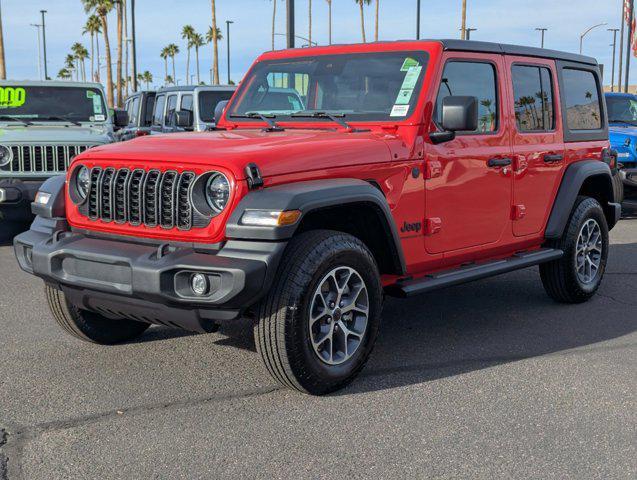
[(133, 44), (629, 45), (542, 30), (228, 22), (417, 19), (290, 23), (39, 50), (612, 70), (581, 37), (468, 32), (46, 72)]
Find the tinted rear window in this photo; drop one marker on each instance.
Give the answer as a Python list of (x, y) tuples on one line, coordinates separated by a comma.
[(583, 110), (533, 92)]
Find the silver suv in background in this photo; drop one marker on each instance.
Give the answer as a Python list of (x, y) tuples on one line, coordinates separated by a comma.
[(188, 108), (139, 107), (43, 126)]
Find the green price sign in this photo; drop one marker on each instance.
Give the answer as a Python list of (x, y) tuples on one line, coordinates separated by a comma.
[(12, 97)]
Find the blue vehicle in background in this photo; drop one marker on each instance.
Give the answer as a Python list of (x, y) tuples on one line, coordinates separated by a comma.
[(622, 117)]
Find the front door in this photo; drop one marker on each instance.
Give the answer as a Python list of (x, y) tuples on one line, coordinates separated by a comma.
[(538, 142), (468, 189)]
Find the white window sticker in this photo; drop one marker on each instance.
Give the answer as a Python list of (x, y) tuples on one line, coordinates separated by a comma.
[(399, 111), (100, 118), (97, 104), (404, 96)]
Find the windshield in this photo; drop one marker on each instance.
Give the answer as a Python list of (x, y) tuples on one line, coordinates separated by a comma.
[(52, 103), (208, 101), (622, 109), (363, 87)]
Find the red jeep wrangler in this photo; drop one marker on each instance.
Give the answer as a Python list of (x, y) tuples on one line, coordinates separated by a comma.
[(337, 175)]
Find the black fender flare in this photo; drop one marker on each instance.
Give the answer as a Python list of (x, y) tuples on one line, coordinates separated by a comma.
[(310, 196), (572, 181)]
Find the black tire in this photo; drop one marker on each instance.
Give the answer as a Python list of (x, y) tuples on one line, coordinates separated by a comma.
[(282, 333), (559, 277), (89, 326), (618, 188)]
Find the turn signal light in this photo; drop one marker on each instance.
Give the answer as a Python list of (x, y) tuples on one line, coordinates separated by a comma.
[(269, 218)]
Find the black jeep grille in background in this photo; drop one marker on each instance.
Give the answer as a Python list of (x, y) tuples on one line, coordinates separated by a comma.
[(151, 198), (35, 159)]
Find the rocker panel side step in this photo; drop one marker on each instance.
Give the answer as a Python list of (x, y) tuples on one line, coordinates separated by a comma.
[(473, 272)]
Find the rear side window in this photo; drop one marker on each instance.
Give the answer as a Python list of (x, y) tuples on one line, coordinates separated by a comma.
[(186, 103), (581, 99), (150, 103), (158, 116), (208, 101), (475, 80), (533, 93), (133, 111), (170, 109)]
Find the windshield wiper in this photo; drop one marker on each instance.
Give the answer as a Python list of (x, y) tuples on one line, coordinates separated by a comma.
[(61, 119), (335, 117), (15, 119), (272, 125)]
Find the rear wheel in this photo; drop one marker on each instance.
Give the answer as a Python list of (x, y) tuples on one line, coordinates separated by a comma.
[(318, 324), (576, 276), (90, 326)]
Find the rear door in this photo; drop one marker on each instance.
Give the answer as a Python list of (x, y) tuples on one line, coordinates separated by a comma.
[(468, 189), (537, 139)]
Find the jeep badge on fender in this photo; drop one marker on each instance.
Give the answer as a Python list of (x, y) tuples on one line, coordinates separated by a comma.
[(302, 209)]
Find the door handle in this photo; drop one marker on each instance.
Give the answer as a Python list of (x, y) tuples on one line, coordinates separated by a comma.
[(553, 158), (499, 162)]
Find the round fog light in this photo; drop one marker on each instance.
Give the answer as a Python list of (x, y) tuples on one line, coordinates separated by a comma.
[(199, 284)]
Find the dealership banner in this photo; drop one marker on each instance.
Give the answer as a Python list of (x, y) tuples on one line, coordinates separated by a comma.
[(632, 22)]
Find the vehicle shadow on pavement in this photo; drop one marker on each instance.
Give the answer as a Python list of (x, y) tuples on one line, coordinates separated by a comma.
[(492, 322)]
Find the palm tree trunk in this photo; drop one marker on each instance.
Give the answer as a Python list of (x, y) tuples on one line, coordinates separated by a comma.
[(360, 4), (120, 39), (273, 21), (329, 20), (188, 65), (376, 29), (166, 71), (197, 55), (3, 66), (309, 16), (175, 71), (109, 66), (215, 46), (97, 49), (92, 57), (463, 25)]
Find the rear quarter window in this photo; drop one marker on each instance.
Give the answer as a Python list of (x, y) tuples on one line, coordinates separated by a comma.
[(581, 100)]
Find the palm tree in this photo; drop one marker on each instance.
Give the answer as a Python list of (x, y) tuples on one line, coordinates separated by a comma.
[(148, 78), (173, 50), (64, 74), (164, 55), (140, 78), (94, 28), (215, 46), (80, 53), (170, 79), (3, 68), (69, 64), (463, 22), (102, 8), (273, 21), (329, 19), (119, 4), (186, 33), (361, 4), (196, 42), (376, 27), (309, 20)]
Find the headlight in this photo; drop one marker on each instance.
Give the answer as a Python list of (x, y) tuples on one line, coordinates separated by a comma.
[(83, 181), (6, 155), (217, 192)]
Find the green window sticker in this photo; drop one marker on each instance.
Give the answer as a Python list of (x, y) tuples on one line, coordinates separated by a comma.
[(12, 97), (411, 78), (404, 96), (408, 63), (97, 104), (90, 94)]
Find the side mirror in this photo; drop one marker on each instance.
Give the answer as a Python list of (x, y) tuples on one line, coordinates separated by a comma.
[(459, 114), (219, 109), (183, 119), (120, 118)]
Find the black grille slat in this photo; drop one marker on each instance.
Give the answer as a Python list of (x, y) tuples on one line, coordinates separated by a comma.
[(36, 159), (137, 197)]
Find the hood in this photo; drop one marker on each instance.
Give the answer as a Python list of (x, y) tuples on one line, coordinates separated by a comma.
[(55, 133), (275, 153)]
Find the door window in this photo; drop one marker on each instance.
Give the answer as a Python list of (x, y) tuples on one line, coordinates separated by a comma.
[(475, 80), (186, 103), (533, 95), (133, 111), (583, 110), (158, 116), (171, 108), (150, 102)]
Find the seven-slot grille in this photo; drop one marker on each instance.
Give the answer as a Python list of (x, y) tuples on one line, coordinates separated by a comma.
[(43, 158), (151, 198)]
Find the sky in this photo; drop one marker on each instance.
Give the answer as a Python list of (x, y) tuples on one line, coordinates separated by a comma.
[(159, 22)]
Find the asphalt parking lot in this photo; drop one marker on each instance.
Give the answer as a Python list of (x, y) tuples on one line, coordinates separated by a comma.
[(486, 380)]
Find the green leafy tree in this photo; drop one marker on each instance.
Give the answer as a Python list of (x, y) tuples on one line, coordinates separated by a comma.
[(102, 8)]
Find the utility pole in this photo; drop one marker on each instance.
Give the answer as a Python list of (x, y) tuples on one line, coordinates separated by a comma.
[(468, 32), (612, 70), (228, 23), (133, 44), (630, 44), (463, 25), (417, 19), (46, 71), (542, 31), (39, 50), (290, 23)]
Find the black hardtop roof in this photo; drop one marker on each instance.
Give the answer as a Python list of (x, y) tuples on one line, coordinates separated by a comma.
[(191, 88), (503, 48)]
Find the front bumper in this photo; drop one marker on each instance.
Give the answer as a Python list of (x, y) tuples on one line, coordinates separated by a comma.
[(15, 199), (148, 282)]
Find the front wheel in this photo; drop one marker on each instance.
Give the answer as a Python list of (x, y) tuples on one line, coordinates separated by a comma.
[(576, 276), (318, 324)]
